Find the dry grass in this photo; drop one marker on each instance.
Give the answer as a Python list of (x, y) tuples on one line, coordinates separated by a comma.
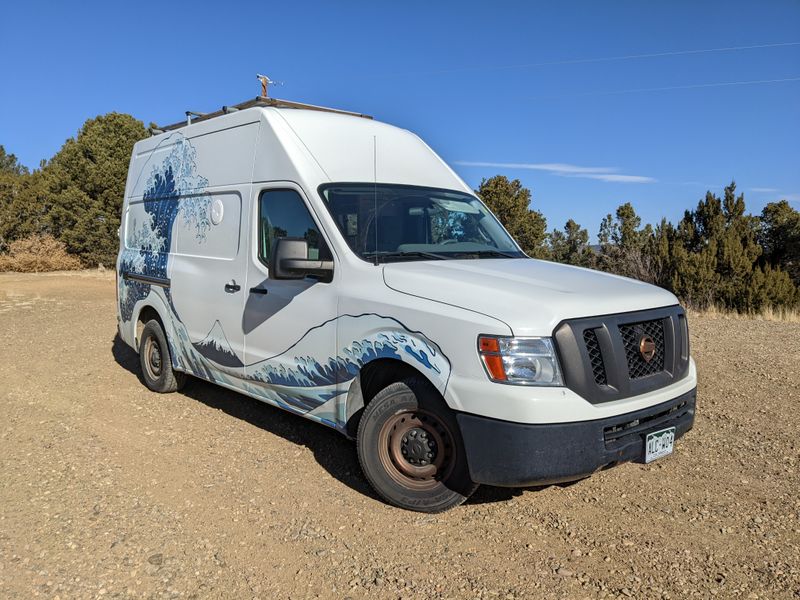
[(787, 315), (37, 254)]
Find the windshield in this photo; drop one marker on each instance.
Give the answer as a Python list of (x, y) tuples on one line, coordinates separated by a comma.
[(386, 222)]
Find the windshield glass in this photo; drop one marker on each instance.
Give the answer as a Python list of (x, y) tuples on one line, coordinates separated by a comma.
[(386, 222)]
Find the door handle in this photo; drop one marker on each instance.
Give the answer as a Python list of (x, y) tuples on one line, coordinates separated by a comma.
[(259, 290), (232, 286)]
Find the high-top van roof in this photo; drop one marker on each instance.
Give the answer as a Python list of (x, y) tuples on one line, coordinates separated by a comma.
[(310, 146), (355, 149)]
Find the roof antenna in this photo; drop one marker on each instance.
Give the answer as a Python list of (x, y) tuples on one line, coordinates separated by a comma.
[(265, 83), (375, 190)]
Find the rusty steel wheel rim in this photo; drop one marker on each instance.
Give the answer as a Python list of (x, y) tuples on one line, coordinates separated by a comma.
[(153, 359), (416, 449)]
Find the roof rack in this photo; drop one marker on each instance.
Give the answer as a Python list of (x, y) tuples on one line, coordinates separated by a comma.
[(195, 117)]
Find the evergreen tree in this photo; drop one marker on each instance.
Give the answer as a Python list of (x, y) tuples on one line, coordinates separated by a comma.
[(85, 185), (737, 252), (716, 258), (624, 245), (9, 165), (12, 178), (659, 248), (510, 201), (779, 236), (23, 206), (694, 276), (571, 246), (76, 196)]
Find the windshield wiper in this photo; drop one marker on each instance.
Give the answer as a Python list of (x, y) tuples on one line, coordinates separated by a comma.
[(493, 253), (382, 256)]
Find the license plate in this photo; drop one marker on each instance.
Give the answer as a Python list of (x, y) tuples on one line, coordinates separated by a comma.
[(659, 444)]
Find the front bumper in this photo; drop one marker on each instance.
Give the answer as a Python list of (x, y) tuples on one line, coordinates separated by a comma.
[(510, 454)]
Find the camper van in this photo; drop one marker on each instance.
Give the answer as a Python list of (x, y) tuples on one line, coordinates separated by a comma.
[(335, 267)]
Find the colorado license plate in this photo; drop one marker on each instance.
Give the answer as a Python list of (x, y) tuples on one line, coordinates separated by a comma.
[(658, 444)]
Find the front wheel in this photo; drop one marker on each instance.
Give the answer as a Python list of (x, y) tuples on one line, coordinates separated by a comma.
[(410, 448), (156, 362)]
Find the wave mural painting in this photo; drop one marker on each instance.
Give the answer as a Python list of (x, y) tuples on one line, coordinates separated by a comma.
[(391, 339), (299, 379), (149, 234), (308, 381)]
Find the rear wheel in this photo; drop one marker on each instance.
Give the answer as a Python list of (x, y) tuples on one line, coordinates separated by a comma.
[(410, 448), (156, 362)]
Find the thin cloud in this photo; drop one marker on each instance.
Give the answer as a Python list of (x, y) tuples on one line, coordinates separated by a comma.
[(765, 190), (618, 178), (793, 198), (610, 174), (557, 168)]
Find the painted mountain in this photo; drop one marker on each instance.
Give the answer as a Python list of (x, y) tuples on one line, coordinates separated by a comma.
[(216, 348)]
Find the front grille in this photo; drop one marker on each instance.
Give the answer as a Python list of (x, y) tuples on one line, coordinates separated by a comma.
[(595, 357), (601, 359), (632, 335)]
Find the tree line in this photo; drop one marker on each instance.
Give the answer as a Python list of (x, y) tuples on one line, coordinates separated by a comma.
[(76, 196), (716, 255)]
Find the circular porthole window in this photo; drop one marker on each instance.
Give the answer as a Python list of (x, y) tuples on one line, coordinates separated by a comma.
[(217, 210)]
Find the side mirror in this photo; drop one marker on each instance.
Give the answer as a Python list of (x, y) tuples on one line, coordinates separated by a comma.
[(289, 260)]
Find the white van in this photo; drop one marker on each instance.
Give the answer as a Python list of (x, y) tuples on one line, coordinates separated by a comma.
[(336, 267)]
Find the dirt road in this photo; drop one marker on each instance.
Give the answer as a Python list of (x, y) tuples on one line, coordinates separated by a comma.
[(108, 490)]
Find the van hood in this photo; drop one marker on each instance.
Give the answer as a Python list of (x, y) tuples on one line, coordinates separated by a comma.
[(530, 296)]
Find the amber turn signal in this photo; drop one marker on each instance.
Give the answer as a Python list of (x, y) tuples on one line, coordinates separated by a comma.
[(489, 349), (487, 344)]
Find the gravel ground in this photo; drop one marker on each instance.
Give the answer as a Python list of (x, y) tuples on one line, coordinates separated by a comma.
[(108, 490)]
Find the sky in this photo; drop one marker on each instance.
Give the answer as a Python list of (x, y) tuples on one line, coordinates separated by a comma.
[(589, 104)]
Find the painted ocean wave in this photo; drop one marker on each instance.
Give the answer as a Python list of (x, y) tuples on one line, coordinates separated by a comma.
[(309, 372), (150, 238)]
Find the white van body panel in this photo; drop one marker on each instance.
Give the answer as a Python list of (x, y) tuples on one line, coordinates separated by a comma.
[(522, 404), (189, 238), (556, 291), (373, 151)]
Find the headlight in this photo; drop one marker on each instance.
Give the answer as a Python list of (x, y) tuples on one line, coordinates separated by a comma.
[(520, 361)]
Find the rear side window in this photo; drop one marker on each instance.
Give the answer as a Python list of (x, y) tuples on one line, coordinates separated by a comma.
[(282, 213)]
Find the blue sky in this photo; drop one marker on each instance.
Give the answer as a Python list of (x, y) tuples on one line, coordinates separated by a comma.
[(521, 89)]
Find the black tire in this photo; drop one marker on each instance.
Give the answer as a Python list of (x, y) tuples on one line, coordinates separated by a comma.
[(410, 448), (156, 361)]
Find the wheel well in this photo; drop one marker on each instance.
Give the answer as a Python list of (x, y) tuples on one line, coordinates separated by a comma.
[(373, 377), (148, 313)]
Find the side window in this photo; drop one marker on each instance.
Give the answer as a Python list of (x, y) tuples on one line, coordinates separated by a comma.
[(282, 213)]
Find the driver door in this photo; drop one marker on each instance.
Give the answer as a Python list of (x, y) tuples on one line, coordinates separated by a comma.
[(289, 325)]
